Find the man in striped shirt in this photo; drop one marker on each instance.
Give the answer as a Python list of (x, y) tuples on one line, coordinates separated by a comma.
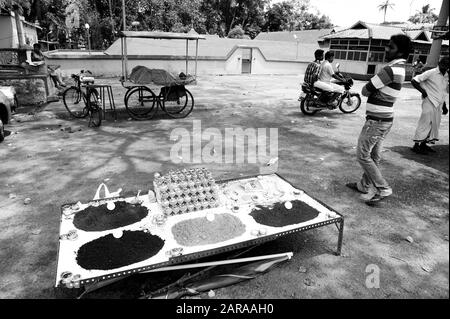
[(382, 90), (312, 71)]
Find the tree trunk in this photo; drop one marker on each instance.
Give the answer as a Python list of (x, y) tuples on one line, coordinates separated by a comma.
[(111, 17)]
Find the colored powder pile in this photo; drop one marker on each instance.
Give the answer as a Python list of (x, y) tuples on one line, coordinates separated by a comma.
[(100, 218), (201, 231), (109, 252), (279, 216)]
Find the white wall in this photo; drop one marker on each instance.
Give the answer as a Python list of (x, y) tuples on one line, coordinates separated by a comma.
[(234, 63), (7, 36), (262, 66), (112, 66)]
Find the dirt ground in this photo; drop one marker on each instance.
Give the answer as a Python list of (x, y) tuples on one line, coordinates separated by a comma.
[(54, 167)]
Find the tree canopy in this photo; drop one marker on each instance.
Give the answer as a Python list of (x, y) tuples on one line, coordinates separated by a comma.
[(425, 15), (64, 20)]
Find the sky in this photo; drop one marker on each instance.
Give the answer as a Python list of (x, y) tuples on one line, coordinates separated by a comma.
[(345, 13)]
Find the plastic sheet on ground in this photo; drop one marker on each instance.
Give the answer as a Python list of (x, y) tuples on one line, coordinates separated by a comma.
[(243, 273)]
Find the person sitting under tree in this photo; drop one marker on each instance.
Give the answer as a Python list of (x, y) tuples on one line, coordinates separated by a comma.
[(38, 59), (433, 84)]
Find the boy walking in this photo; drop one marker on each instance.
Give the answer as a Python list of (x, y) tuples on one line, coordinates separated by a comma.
[(382, 91)]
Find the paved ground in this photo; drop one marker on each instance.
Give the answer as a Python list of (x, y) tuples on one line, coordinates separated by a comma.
[(317, 153)]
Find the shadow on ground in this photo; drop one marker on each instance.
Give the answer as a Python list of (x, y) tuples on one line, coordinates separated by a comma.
[(438, 160)]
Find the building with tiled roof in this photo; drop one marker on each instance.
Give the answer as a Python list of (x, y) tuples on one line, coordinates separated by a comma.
[(360, 49), (303, 37)]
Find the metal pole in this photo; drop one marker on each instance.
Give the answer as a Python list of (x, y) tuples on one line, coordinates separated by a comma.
[(220, 262), (187, 53), (196, 57), (435, 50), (121, 51), (124, 42), (89, 42)]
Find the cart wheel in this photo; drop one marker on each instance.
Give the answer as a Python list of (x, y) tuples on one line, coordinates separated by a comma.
[(140, 103), (178, 108)]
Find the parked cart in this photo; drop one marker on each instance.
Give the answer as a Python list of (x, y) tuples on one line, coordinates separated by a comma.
[(141, 102)]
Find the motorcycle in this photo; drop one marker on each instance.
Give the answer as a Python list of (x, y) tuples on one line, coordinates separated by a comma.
[(313, 100)]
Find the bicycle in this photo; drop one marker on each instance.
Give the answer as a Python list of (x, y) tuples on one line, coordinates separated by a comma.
[(75, 95)]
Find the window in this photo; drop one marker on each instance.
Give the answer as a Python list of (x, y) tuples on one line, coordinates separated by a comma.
[(350, 55), (376, 57), (376, 42), (354, 42), (410, 58), (334, 41), (363, 56), (339, 55), (359, 47), (378, 49), (345, 42), (338, 47), (356, 56), (363, 42)]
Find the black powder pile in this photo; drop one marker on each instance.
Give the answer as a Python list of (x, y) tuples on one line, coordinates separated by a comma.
[(100, 218), (201, 231), (279, 216), (109, 252)]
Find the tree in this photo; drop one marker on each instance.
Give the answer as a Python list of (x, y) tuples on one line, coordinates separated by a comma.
[(223, 15), (425, 15), (236, 33), (279, 16), (384, 7), (294, 15)]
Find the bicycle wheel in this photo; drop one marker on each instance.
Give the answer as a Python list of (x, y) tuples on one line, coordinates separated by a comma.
[(180, 107), (140, 103), (75, 102)]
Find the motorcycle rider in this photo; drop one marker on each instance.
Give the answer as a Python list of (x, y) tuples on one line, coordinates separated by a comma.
[(313, 69), (326, 74)]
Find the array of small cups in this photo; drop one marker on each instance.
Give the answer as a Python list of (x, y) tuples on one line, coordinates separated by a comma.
[(259, 232), (175, 252), (70, 280), (159, 219), (186, 191), (71, 235)]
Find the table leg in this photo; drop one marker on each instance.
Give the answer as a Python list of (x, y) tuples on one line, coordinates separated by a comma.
[(340, 227)]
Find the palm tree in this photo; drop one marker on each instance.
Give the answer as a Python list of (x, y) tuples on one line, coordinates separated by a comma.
[(427, 14), (384, 7)]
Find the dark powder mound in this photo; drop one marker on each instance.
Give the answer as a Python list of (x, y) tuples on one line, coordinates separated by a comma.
[(109, 252), (100, 218), (279, 216), (201, 231)]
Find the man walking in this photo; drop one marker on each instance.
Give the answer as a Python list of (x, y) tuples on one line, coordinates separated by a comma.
[(433, 84), (382, 90), (312, 71)]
